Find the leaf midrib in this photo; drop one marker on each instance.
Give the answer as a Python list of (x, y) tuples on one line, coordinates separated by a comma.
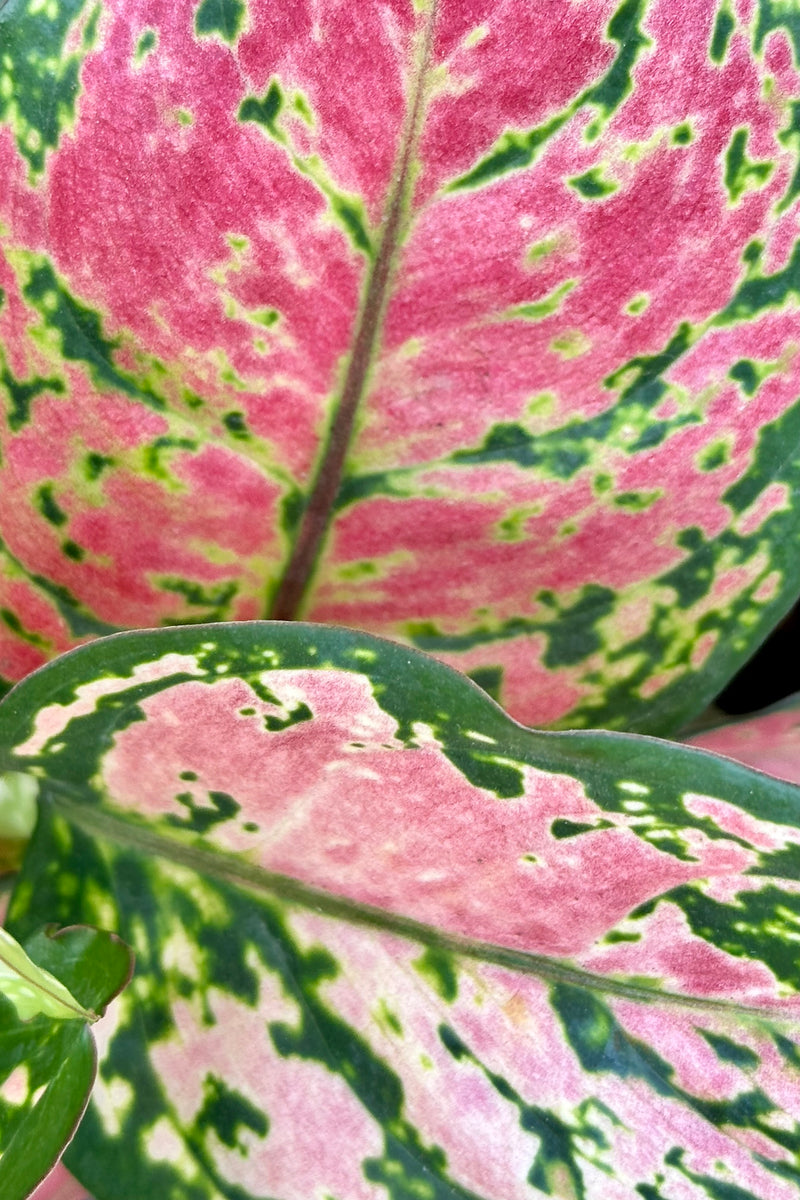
[(362, 354), (230, 868)]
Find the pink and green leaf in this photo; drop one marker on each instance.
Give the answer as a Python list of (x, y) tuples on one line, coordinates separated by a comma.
[(768, 741), (475, 325), (389, 942)]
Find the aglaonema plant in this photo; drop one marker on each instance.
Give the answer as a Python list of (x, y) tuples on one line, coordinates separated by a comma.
[(475, 325)]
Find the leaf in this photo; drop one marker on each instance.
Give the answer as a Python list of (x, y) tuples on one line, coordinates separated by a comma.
[(391, 943), (491, 347), (48, 990), (31, 990), (768, 741)]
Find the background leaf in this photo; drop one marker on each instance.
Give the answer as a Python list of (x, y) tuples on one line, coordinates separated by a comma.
[(389, 941), (768, 741), (474, 325), (60, 1185), (47, 1059)]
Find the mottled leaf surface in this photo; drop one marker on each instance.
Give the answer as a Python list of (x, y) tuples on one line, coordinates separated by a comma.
[(50, 991), (392, 944), (473, 324)]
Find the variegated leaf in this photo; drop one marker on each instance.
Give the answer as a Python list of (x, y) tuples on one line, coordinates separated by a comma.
[(475, 324), (768, 741), (391, 944), (50, 992)]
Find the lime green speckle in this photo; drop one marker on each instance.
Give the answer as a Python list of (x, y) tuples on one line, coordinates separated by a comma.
[(543, 248), (303, 109), (570, 344), (541, 406), (387, 1020), (475, 36), (636, 306), (18, 793), (537, 310), (636, 501), (362, 569), (266, 317)]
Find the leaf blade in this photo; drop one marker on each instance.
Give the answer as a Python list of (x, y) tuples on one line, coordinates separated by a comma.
[(653, 1043), (507, 449), (47, 1057)]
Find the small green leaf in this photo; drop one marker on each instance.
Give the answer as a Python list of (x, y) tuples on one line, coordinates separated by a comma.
[(33, 991), (50, 990)]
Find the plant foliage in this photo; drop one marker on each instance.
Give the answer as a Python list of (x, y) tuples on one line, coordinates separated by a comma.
[(390, 942)]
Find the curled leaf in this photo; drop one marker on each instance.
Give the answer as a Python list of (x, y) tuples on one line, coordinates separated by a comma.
[(51, 989), (32, 990)]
